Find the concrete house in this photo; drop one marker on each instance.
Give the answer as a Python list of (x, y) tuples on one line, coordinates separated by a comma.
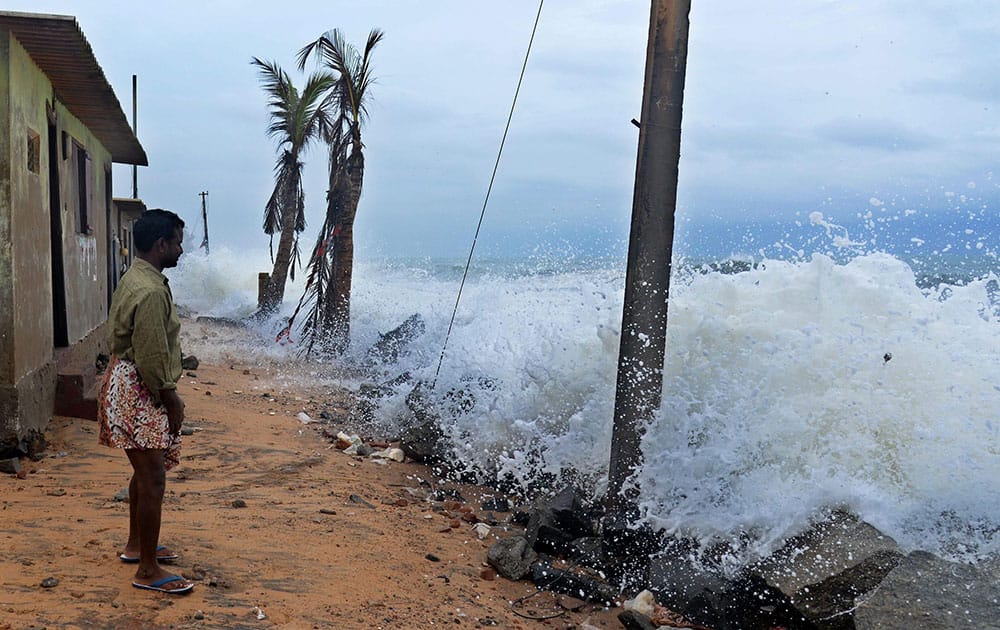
[(61, 128)]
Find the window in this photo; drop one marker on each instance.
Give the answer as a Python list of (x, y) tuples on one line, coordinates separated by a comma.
[(34, 150), (84, 177)]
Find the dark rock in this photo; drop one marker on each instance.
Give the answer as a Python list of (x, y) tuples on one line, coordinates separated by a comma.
[(712, 600), (190, 362), (50, 582), (239, 503), (187, 431), (578, 585), (10, 465), (360, 501), (634, 620), (496, 504), (587, 551), (324, 415), (364, 450), (122, 495), (392, 344), (555, 524), (929, 593), (511, 557), (432, 557), (826, 568), (422, 443), (327, 511)]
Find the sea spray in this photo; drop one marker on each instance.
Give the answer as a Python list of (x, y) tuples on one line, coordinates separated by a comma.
[(779, 402)]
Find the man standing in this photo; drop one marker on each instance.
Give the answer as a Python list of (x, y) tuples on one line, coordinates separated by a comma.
[(140, 410)]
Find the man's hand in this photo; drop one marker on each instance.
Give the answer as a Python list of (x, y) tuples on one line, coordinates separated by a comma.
[(175, 409)]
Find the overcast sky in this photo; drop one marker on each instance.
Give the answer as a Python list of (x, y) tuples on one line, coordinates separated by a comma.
[(838, 106)]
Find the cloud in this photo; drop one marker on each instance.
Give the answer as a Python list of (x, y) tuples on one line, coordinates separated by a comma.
[(875, 134)]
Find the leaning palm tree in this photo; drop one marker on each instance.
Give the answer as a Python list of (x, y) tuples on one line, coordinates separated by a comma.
[(296, 118), (328, 319)]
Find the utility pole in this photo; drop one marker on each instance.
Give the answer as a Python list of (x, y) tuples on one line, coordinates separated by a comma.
[(135, 132), (647, 280), (204, 218)]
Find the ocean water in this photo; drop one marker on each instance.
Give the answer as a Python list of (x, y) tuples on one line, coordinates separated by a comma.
[(820, 371)]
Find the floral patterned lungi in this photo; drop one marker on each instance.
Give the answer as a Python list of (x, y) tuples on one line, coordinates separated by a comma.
[(130, 417)]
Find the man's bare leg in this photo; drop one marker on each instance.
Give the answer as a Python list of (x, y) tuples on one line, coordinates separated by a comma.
[(149, 483)]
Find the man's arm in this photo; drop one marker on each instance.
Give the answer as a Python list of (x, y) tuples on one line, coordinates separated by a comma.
[(175, 409)]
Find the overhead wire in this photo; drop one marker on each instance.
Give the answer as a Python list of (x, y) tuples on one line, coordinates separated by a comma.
[(489, 189)]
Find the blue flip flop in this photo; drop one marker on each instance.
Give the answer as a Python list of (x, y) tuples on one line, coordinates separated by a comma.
[(159, 557), (158, 585)]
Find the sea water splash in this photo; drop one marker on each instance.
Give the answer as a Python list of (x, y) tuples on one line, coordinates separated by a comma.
[(792, 387)]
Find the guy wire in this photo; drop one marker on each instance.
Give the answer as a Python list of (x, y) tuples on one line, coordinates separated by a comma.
[(489, 189)]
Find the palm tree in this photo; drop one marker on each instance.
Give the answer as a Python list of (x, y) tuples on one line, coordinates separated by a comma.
[(296, 118), (328, 321)]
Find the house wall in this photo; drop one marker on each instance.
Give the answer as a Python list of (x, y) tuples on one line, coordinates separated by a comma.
[(27, 367), (85, 254)]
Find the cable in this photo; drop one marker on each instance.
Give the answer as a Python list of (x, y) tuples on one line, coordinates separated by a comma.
[(489, 189)]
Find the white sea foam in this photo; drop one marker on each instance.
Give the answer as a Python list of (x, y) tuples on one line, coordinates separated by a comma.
[(779, 400)]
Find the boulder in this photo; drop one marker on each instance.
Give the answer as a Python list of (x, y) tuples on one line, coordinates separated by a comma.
[(511, 557), (826, 568), (572, 583), (554, 524), (929, 593), (709, 598), (393, 343)]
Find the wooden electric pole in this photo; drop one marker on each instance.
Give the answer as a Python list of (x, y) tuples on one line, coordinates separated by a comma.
[(135, 132), (204, 218), (647, 280)]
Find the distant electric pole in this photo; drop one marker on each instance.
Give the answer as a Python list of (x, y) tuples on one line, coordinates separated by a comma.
[(204, 218)]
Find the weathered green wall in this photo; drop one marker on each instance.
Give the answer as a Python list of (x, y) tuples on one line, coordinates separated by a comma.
[(6, 250), (84, 255), (29, 192), (27, 367)]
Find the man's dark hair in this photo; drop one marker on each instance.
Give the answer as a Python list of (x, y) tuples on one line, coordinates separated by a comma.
[(153, 225)]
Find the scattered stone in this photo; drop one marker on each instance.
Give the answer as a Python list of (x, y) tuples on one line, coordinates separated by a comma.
[(187, 431), (482, 530), (239, 503), (304, 418), (197, 573), (190, 362), (432, 558), (327, 511), (198, 615), (50, 582), (488, 574), (11, 465), (511, 557), (395, 454), (58, 492), (644, 603), (122, 495), (191, 374), (360, 501)]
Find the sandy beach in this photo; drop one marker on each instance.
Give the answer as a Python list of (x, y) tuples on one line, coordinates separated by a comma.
[(324, 540)]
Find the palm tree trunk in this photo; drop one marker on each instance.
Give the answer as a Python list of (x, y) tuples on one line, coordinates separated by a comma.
[(274, 292), (337, 318)]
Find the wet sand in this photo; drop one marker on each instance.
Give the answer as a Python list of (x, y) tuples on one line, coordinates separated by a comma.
[(301, 553)]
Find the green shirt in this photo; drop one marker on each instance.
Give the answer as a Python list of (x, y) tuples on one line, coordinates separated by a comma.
[(143, 326)]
